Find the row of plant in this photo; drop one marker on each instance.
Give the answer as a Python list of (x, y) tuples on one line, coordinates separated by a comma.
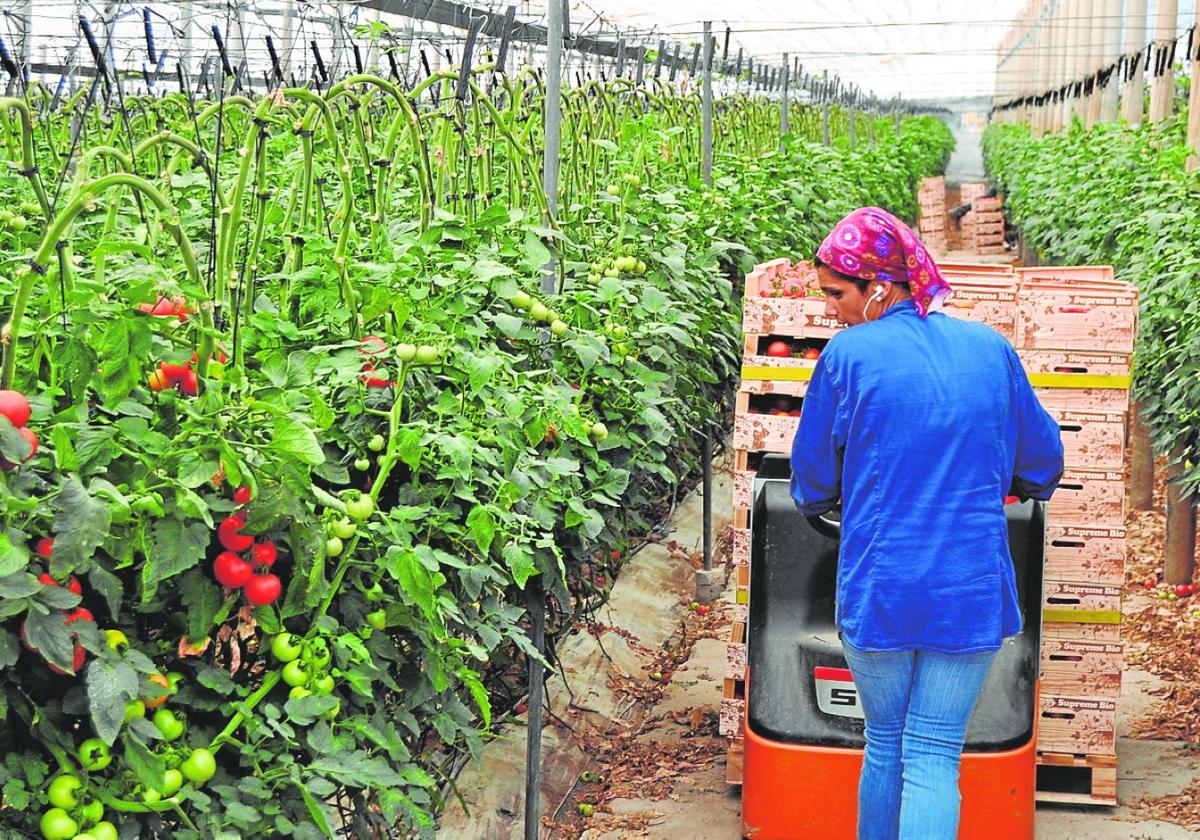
[(1122, 196), (290, 425)]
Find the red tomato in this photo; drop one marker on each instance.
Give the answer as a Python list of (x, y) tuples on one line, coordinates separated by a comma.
[(1181, 590), (231, 571), (1191, 588), (188, 384), (44, 547), (174, 373), (263, 554), (77, 663), (28, 434), (795, 412), (228, 533), (810, 353), (80, 614), (242, 495), (779, 349), (159, 381), (73, 584), (165, 307), (15, 407), (263, 590), (372, 345)]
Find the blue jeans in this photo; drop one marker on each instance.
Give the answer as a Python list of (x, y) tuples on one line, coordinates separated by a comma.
[(917, 706)]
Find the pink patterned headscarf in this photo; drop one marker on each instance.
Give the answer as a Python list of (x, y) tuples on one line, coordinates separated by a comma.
[(872, 244)]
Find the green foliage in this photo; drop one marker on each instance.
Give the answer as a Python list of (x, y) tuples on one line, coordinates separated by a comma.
[(1121, 196), (491, 471)]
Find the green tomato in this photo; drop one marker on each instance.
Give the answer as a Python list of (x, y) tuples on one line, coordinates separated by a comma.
[(104, 831), (619, 333), (641, 267), (94, 754), (558, 328), (375, 593), (149, 795), (286, 647), (116, 640), (334, 547), (134, 709), (539, 311), (57, 824), (168, 725), (406, 352), (611, 273), (295, 673), (427, 354), (342, 528), (377, 619), (299, 691), (599, 432), (324, 684), (92, 811), (172, 782), (318, 655), (376, 443), (61, 792), (613, 189), (632, 179), (521, 300), (362, 464), (199, 767), (360, 507), (333, 713), (18, 223)]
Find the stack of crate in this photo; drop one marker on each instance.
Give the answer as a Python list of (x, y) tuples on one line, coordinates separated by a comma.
[(932, 222), (780, 309), (1073, 329), (983, 225), (1075, 334)]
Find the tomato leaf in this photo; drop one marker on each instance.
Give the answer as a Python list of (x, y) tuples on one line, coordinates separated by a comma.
[(109, 586), (80, 525), (483, 527), (110, 685), (146, 766), (19, 585), (122, 346), (295, 440), (519, 560), (408, 446), (478, 692), (13, 558), (315, 809), (175, 547), (415, 580), (48, 633), (202, 598)]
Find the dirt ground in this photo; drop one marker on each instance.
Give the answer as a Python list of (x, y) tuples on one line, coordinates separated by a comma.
[(661, 772)]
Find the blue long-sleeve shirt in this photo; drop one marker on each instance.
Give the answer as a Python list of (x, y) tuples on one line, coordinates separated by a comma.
[(921, 426)]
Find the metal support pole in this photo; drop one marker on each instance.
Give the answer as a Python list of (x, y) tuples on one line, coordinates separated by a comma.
[(536, 596), (706, 110), (783, 104), (706, 116)]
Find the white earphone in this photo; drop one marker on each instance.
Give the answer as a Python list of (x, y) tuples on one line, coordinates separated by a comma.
[(879, 293)]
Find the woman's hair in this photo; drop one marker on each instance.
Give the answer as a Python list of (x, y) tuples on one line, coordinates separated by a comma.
[(858, 282)]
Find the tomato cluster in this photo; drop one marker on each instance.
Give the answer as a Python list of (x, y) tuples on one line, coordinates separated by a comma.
[(539, 312), (168, 307), (374, 348), (260, 586), (306, 667), (15, 406)]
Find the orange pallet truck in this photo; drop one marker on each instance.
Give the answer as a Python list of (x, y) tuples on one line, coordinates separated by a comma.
[(803, 724)]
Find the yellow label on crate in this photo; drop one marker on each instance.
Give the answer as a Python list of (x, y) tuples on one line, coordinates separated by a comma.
[(1082, 616), (1080, 380), (743, 596), (778, 374)]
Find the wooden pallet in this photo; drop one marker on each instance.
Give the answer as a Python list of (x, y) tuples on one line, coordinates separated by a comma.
[(1077, 779), (735, 757)]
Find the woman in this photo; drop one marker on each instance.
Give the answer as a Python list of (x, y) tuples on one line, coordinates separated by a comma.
[(920, 424)]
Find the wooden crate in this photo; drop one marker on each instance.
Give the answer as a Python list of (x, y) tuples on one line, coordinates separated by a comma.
[(735, 756), (735, 660), (1082, 667), (741, 590), (741, 546), (1053, 315), (986, 299), (1080, 381), (758, 366), (1077, 779), (992, 249), (762, 432), (1091, 439), (994, 269), (794, 318), (1081, 631), (1085, 725), (733, 702), (771, 279), (1085, 553), (1088, 497), (783, 387), (743, 488), (1078, 602), (984, 205)]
